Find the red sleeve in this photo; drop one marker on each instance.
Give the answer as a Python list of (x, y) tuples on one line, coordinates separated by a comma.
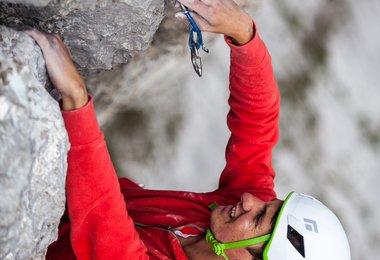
[(100, 225), (253, 121)]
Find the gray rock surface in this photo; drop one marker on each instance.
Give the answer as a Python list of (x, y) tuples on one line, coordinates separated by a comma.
[(32, 2), (99, 34), (33, 152)]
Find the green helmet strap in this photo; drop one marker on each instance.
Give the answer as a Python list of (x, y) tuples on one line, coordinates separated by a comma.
[(219, 248)]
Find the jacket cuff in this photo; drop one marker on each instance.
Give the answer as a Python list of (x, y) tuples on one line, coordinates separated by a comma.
[(250, 54), (81, 124)]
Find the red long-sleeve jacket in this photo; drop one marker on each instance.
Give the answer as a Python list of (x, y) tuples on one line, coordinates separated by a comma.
[(111, 218)]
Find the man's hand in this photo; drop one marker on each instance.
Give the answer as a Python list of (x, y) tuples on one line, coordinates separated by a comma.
[(222, 16), (61, 70)]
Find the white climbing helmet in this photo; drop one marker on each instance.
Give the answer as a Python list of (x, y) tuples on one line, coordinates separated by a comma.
[(307, 230)]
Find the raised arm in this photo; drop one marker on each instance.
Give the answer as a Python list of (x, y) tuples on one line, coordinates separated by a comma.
[(100, 225), (253, 121), (254, 99)]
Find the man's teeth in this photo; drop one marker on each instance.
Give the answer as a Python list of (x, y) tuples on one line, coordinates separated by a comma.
[(232, 212)]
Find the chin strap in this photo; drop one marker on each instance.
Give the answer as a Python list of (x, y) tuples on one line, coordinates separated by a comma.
[(219, 248)]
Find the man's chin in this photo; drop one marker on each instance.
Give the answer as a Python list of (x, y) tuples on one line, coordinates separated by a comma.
[(218, 217)]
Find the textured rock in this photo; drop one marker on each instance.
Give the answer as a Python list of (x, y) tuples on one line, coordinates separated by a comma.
[(99, 34), (33, 151), (32, 2)]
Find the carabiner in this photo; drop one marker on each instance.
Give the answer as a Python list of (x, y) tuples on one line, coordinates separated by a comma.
[(196, 60), (194, 45)]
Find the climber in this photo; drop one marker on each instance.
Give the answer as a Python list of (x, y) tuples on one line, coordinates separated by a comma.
[(111, 218)]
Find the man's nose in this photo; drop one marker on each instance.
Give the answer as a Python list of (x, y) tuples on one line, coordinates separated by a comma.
[(250, 202)]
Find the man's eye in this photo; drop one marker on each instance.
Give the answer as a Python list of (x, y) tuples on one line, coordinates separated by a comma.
[(260, 216)]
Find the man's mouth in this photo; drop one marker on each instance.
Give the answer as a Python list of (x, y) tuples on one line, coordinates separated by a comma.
[(232, 212)]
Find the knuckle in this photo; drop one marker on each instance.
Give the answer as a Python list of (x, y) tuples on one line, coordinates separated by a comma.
[(57, 36), (211, 10), (211, 14), (55, 40), (44, 41), (213, 3)]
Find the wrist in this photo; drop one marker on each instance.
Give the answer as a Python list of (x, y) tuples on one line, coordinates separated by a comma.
[(75, 100), (245, 34)]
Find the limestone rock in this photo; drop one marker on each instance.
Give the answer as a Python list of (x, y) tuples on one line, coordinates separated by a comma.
[(99, 34), (33, 152), (32, 2)]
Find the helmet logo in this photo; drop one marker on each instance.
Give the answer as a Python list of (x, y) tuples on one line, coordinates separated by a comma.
[(311, 225)]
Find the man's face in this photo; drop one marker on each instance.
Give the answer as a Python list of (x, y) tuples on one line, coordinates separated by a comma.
[(251, 217)]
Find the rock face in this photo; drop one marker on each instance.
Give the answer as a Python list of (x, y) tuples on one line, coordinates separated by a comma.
[(34, 145), (99, 34), (33, 152), (32, 2)]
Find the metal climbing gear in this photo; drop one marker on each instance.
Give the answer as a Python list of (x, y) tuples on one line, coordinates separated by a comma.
[(195, 41)]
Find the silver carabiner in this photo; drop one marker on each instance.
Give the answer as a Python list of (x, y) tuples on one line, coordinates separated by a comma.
[(196, 60)]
